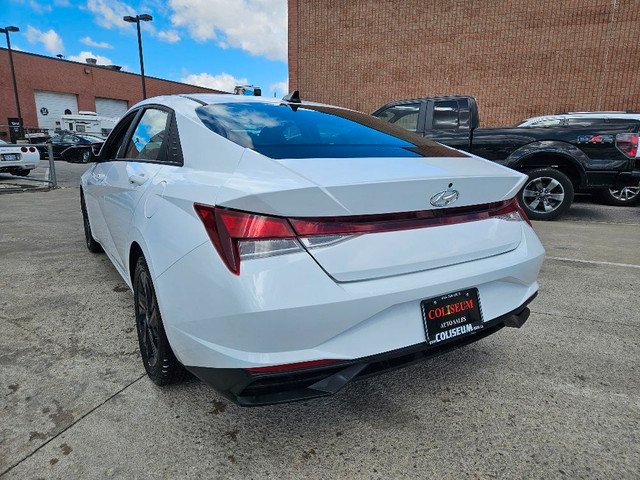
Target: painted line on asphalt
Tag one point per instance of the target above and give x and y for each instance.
(601, 222)
(594, 262)
(583, 319)
(82, 417)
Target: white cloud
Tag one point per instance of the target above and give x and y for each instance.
(170, 36)
(82, 57)
(50, 40)
(92, 43)
(256, 26)
(39, 8)
(280, 87)
(223, 81)
(109, 14)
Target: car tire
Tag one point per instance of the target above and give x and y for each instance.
(547, 194)
(161, 365)
(623, 197)
(92, 245)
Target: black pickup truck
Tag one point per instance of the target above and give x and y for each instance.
(559, 160)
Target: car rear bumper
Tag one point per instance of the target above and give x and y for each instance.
(250, 389)
(284, 310)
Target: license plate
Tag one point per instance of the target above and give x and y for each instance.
(451, 316)
(10, 157)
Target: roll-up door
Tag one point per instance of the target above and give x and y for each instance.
(50, 106)
(111, 107)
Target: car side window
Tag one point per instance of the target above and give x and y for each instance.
(405, 116)
(547, 122)
(445, 115)
(584, 122)
(148, 136)
(114, 143)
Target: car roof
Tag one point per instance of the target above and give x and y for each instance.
(185, 103)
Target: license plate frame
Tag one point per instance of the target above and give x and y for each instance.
(10, 157)
(451, 316)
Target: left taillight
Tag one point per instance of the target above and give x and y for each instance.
(240, 235)
(627, 143)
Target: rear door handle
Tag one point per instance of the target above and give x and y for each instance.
(137, 179)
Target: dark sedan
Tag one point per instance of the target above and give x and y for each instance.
(63, 140)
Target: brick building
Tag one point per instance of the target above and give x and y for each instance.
(47, 87)
(519, 59)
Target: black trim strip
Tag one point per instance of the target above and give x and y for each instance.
(204, 104)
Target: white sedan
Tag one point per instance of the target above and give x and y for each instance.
(18, 159)
(278, 249)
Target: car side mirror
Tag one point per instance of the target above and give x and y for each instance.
(95, 150)
(83, 154)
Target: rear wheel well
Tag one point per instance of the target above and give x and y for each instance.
(135, 252)
(551, 160)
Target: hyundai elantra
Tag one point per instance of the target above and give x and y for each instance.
(279, 249)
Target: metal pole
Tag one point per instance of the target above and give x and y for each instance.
(15, 85)
(52, 166)
(144, 88)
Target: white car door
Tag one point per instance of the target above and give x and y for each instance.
(95, 188)
(93, 192)
(130, 177)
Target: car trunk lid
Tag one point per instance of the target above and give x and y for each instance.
(394, 191)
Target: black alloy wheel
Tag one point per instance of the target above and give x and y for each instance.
(160, 363)
(547, 194)
(92, 245)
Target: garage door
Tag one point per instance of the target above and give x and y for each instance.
(50, 106)
(110, 107)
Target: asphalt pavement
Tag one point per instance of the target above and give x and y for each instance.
(558, 398)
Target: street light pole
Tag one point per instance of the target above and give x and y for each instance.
(6, 31)
(136, 20)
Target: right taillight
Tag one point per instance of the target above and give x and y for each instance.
(512, 212)
(627, 143)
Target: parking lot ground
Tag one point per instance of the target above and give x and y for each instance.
(558, 398)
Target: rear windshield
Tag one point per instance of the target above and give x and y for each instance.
(310, 131)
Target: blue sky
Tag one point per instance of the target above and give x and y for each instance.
(214, 43)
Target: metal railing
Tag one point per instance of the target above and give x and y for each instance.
(52, 180)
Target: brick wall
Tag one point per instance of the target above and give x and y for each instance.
(37, 72)
(519, 59)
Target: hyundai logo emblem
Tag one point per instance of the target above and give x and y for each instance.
(444, 198)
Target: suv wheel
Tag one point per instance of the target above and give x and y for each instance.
(547, 194)
(159, 361)
(625, 197)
